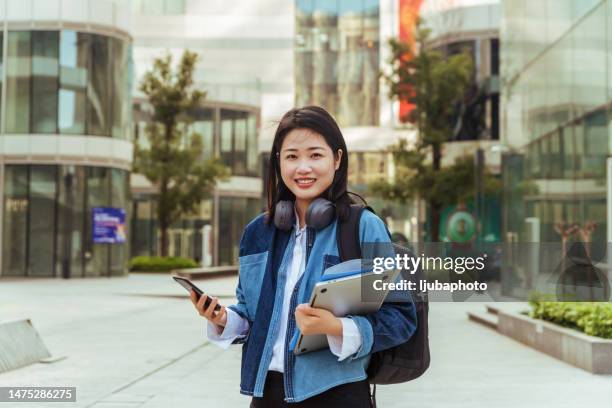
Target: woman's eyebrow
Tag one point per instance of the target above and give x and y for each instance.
(310, 148)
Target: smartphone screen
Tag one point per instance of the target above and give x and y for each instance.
(187, 284)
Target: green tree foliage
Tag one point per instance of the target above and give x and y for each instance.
(173, 162)
(435, 85)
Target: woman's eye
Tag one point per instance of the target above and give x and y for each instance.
(290, 156)
(316, 155)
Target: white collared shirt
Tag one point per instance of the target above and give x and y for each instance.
(236, 326)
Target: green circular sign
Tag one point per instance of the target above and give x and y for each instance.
(461, 227)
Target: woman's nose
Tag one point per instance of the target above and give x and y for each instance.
(304, 168)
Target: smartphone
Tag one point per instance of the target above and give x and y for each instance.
(187, 284)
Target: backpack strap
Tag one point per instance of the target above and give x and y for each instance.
(347, 233)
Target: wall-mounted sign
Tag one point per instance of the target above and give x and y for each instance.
(461, 227)
(108, 225)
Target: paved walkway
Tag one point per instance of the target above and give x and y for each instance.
(137, 342)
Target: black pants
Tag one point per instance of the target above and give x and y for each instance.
(353, 395)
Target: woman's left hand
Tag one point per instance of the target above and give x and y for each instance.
(312, 320)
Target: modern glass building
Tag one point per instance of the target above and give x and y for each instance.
(556, 94)
(472, 27)
(339, 49)
(64, 135)
(337, 58)
(229, 132)
(245, 56)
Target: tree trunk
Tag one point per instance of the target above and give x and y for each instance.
(163, 241)
(436, 210)
(163, 192)
(163, 219)
(436, 151)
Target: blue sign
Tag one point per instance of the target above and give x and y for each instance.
(108, 225)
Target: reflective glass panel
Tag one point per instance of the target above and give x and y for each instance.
(41, 225)
(18, 73)
(74, 51)
(98, 89)
(14, 221)
(45, 72)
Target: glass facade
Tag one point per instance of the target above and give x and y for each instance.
(186, 235)
(67, 82)
(48, 222)
(480, 111)
(234, 214)
(367, 167)
(231, 135)
(337, 58)
(230, 132)
(556, 99)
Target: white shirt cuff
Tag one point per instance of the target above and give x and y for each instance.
(347, 344)
(235, 326)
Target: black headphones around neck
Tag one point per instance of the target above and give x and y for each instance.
(319, 215)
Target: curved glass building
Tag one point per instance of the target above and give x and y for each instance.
(65, 119)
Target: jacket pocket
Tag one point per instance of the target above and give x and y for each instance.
(252, 270)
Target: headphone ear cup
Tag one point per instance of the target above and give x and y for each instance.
(283, 215)
(320, 213)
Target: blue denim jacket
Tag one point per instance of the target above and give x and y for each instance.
(265, 253)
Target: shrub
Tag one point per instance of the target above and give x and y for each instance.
(160, 264)
(594, 318)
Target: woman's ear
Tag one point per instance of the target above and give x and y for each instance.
(338, 159)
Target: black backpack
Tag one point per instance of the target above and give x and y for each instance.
(408, 360)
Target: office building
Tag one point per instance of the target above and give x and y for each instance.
(556, 97)
(65, 144)
(246, 67)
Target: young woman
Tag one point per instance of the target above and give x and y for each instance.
(283, 252)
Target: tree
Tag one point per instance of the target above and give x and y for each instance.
(173, 162)
(436, 85)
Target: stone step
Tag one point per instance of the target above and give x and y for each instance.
(493, 309)
(207, 272)
(486, 319)
(20, 345)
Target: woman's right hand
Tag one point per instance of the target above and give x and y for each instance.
(219, 318)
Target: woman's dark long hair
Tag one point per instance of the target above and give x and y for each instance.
(318, 120)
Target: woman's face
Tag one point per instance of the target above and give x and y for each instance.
(307, 164)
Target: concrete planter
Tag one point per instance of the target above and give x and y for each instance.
(590, 353)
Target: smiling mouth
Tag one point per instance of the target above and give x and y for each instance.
(305, 181)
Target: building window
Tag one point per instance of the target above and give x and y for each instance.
(67, 82)
(47, 223)
(203, 126)
(494, 56)
(45, 72)
(239, 142)
(234, 214)
(15, 218)
(41, 220)
(252, 148)
(337, 59)
(74, 51)
(18, 74)
(234, 135)
(98, 89)
(226, 136)
(120, 97)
